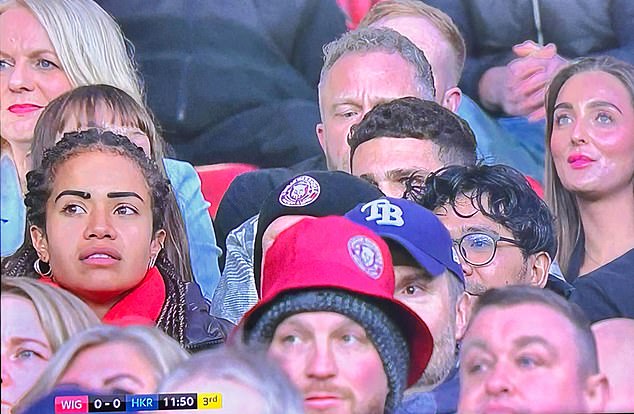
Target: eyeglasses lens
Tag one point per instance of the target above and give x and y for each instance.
(477, 248)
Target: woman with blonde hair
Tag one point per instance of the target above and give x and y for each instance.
(48, 48)
(78, 43)
(111, 360)
(52, 47)
(37, 318)
(590, 181)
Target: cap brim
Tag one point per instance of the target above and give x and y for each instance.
(419, 338)
(433, 266)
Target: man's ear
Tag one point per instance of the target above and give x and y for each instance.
(319, 130)
(597, 392)
(451, 99)
(539, 267)
(40, 243)
(463, 313)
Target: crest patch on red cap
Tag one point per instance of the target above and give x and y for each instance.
(300, 192)
(366, 255)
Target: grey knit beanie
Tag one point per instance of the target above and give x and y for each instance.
(381, 330)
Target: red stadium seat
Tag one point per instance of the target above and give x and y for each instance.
(216, 178)
(537, 187)
(355, 10)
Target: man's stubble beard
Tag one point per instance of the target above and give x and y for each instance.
(443, 358)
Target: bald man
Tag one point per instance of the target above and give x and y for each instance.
(615, 342)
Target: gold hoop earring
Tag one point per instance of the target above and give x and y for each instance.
(38, 269)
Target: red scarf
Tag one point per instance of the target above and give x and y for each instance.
(140, 306)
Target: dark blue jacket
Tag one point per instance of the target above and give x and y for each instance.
(232, 81)
(578, 28)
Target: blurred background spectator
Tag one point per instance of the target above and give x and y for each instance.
(247, 379)
(138, 357)
(36, 321)
(615, 341)
(233, 81)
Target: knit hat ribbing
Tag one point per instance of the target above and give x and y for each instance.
(333, 254)
(384, 334)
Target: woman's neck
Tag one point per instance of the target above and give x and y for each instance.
(20, 155)
(608, 226)
(100, 309)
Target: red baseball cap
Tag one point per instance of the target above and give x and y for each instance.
(333, 252)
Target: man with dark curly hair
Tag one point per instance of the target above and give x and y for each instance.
(502, 229)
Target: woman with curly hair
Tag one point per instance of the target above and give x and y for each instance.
(95, 213)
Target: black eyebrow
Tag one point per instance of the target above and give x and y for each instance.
(118, 194)
(564, 105)
(83, 194)
(479, 229)
(598, 104)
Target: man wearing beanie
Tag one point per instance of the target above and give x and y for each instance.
(430, 281)
(314, 194)
(328, 316)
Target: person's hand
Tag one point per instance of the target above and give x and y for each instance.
(529, 47)
(519, 88)
(510, 89)
(530, 74)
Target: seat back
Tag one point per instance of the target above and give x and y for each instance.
(216, 178)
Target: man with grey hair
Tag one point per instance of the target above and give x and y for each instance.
(362, 68)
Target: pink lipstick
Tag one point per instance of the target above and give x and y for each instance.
(20, 109)
(579, 161)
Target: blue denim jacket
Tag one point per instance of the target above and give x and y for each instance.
(12, 209)
(499, 144)
(203, 249)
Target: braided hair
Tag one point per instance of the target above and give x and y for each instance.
(39, 186)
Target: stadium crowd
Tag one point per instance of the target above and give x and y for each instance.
(438, 215)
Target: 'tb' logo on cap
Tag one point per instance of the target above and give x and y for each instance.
(383, 213)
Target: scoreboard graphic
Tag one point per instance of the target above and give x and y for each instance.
(125, 403)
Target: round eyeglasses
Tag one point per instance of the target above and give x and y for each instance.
(478, 249)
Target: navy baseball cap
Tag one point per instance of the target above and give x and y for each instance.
(415, 228)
